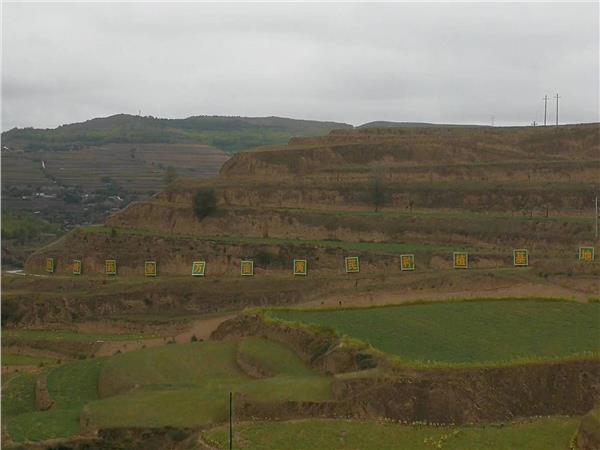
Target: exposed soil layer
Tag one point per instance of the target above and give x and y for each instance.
(80, 303)
(445, 395)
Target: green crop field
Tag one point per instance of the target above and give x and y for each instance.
(191, 383)
(467, 332)
(17, 394)
(540, 434)
(70, 386)
(173, 385)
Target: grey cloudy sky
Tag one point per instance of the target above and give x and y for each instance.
(355, 63)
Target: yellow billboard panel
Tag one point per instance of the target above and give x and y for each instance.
(50, 265)
(110, 266)
(76, 267)
(300, 267)
(247, 268)
(352, 264)
(461, 260)
(586, 254)
(198, 268)
(520, 257)
(407, 262)
(150, 268)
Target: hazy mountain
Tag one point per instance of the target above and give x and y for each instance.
(227, 133)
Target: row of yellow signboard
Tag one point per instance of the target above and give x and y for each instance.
(300, 267)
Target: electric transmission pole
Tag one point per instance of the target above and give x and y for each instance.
(230, 420)
(557, 97)
(545, 107)
(596, 233)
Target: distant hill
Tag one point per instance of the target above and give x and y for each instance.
(230, 134)
(386, 124)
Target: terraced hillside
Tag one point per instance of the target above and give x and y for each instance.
(369, 193)
(77, 174)
(81, 186)
(426, 191)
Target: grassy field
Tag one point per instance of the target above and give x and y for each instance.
(70, 385)
(469, 332)
(191, 383)
(18, 394)
(539, 434)
(273, 357)
(178, 385)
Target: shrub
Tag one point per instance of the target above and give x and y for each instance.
(177, 435)
(170, 175)
(378, 196)
(263, 258)
(204, 202)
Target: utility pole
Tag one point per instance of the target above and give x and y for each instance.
(596, 217)
(557, 97)
(545, 107)
(230, 420)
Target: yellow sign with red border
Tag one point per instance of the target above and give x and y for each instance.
(110, 266)
(247, 268)
(520, 257)
(586, 254)
(150, 269)
(461, 260)
(198, 268)
(300, 267)
(352, 264)
(407, 262)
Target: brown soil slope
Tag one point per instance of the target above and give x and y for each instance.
(374, 193)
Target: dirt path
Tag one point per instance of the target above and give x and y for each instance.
(387, 297)
(203, 445)
(201, 328)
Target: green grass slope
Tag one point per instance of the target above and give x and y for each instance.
(469, 332)
(189, 384)
(539, 434)
(175, 385)
(70, 386)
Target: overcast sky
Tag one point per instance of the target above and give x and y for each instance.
(355, 63)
